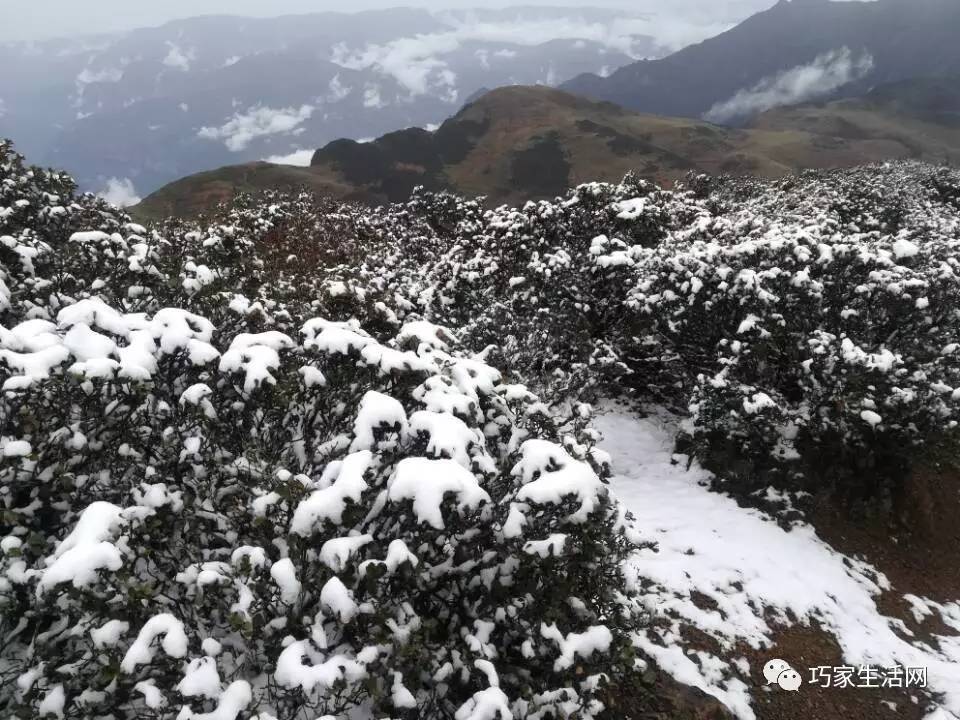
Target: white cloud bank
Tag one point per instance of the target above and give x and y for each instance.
(828, 72)
(299, 158)
(417, 62)
(120, 192)
(259, 121)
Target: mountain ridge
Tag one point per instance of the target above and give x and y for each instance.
(154, 104)
(520, 143)
(902, 39)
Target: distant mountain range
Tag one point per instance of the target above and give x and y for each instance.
(140, 109)
(520, 143)
(155, 104)
(796, 51)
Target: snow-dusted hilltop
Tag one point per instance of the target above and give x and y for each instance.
(313, 460)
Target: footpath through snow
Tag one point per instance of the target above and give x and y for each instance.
(760, 576)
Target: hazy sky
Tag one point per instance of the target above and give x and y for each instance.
(24, 20)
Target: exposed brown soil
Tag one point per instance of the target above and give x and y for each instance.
(918, 550)
(806, 647)
(656, 696)
(923, 551)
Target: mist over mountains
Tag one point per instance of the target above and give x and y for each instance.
(516, 144)
(151, 105)
(128, 113)
(793, 52)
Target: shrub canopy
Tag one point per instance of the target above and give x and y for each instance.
(223, 495)
(303, 459)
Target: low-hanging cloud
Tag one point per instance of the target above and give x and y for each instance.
(119, 192)
(177, 58)
(828, 72)
(417, 62)
(259, 121)
(105, 75)
(298, 158)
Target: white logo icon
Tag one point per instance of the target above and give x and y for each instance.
(780, 673)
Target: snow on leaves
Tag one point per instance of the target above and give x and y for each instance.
(427, 482)
(307, 458)
(225, 492)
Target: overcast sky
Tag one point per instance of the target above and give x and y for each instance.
(26, 20)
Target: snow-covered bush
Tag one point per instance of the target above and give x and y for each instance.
(309, 459)
(524, 282)
(226, 494)
(817, 323)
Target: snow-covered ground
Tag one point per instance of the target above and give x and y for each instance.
(760, 576)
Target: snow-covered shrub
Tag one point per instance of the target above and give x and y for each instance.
(945, 185)
(223, 495)
(522, 282)
(818, 326)
(265, 466)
